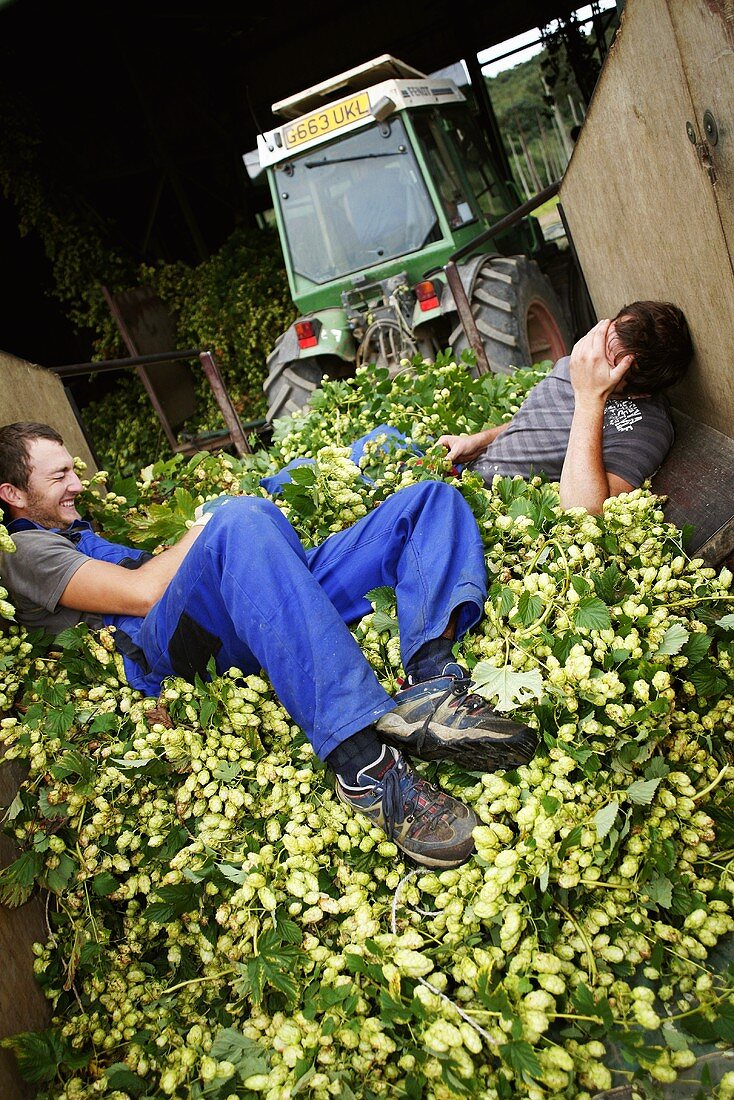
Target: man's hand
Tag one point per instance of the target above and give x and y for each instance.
(585, 482)
(204, 512)
(465, 448)
(594, 375)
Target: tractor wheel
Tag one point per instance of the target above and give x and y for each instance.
(518, 315)
(289, 384)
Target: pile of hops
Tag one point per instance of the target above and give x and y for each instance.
(222, 926)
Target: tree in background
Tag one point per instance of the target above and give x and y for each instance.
(539, 102)
(232, 302)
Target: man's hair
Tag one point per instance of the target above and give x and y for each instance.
(15, 463)
(657, 335)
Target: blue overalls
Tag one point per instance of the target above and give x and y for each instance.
(250, 595)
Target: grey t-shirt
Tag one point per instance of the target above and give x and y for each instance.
(637, 434)
(37, 574)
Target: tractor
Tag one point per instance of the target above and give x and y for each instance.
(377, 177)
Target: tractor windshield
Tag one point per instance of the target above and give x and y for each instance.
(355, 203)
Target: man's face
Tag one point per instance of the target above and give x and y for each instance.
(52, 487)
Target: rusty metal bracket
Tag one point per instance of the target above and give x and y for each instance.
(210, 367)
(453, 276)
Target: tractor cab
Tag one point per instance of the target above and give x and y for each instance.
(377, 176)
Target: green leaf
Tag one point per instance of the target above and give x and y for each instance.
(59, 721)
(104, 723)
(71, 638)
(275, 964)
(393, 1011)
(246, 1055)
(580, 585)
(642, 791)
(385, 624)
(122, 1079)
(660, 891)
(73, 762)
(174, 902)
(723, 815)
(15, 807)
(328, 996)
(18, 879)
(512, 688)
(673, 1038)
(657, 768)
(529, 608)
(303, 475)
(592, 614)
(161, 522)
(674, 638)
(232, 874)
(207, 710)
(506, 601)
(173, 843)
(605, 818)
(706, 680)
(724, 1022)
(286, 929)
(523, 1060)
(344, 1093)
(382, 599)
(451, 1076)
(726, 622)
(104, 884)
(583, 1000)
(227, 771)
(664, 856)
(570, 841)
(521, 506)
(41, 1054)
(550, 804)
(58, 878)
(696, 648)
(609, 584)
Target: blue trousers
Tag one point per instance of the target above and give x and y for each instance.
(250, 595)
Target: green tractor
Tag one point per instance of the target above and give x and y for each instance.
(373, 191)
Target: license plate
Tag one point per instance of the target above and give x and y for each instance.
(327, 121)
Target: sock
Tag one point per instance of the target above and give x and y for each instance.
(357, 752)
(430, 660)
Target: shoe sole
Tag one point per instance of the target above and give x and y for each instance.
(470, 749)
(423, 860)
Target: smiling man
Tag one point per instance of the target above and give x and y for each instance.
(599, 422)
(239, 588)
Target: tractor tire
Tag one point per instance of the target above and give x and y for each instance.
(290, 383)
(518, 314)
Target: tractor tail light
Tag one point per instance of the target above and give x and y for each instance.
(427, 295)
(307, 333)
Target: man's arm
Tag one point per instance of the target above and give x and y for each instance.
(114, 590)
(465, 448)
(585, 482)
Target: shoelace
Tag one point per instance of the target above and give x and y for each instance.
(393, 802)
(471, 701)
(393, 810)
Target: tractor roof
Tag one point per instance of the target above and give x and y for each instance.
(384, 67)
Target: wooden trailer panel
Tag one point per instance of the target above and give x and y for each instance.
(650, 210)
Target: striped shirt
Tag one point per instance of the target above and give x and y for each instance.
(637, 434)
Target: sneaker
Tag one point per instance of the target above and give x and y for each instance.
(442, 719)
(430, 826)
